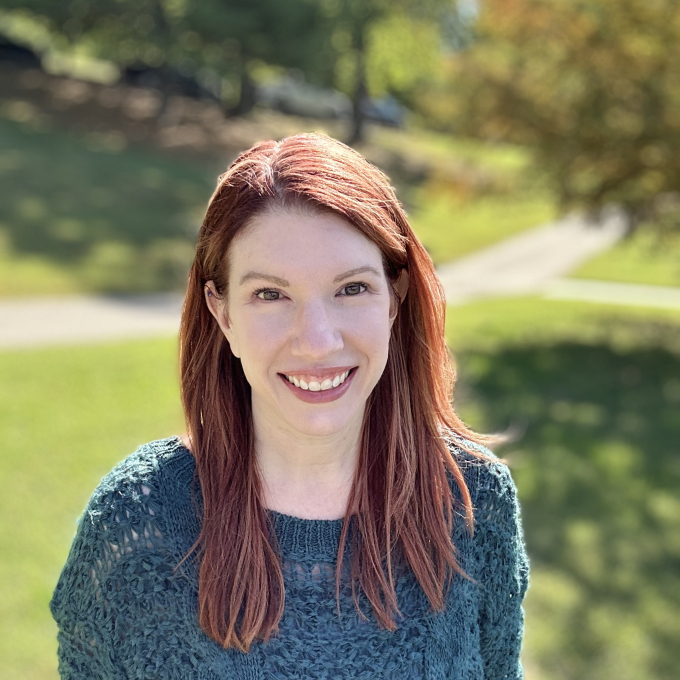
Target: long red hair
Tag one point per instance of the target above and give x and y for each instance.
(401, 502)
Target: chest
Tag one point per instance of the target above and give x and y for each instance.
(317, 641)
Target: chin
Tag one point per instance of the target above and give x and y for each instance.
(322, 427)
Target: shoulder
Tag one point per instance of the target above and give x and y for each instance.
(142, 506)
(149, 463)
(135, 530)
(150, 467)
(486, 475)
(498, 541)
(151, 484)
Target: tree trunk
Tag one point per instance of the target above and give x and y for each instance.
(246, 100)
(360, 90)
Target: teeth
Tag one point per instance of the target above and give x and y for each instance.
(315, 385)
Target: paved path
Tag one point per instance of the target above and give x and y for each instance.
(72, 320)
(636, 294)
(525, 264)
(534, 262)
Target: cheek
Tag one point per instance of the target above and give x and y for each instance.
(259, 337)
(372, 330)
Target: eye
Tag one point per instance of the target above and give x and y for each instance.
(267, 294)
(356, 288)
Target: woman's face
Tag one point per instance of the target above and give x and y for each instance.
(308, 302)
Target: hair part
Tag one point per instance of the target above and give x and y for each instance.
(401, 504)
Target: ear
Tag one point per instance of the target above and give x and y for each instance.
(401, 284)
(218, 309)
(401, 287)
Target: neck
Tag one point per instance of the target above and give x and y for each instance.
(306, 476)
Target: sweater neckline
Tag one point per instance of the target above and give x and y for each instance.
(316, 539)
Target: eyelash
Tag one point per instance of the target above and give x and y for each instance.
(257, 292)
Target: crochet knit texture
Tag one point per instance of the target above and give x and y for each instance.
(125, 611)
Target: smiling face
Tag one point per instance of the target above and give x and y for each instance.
(308, 313)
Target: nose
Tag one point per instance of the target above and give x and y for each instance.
(316, 334)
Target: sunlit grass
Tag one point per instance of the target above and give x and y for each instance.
(420, 143)
(450, 229)
(589, 395)
(644, 258)
(492, 324)
(475, 194)
(32, 274)
(78, 216)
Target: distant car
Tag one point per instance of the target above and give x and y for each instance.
(167, 80)
(296, 97)
(19, 55)
(387, 111)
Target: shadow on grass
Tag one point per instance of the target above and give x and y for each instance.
(117, 220)
(598, 473)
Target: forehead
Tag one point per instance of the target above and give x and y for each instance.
(291, 237)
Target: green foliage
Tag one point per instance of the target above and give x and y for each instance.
(66, 416)
(594, 412)
(401, 51)
(362, 47)
(293, 34)
(209, 39)
(386, 47)
(593, 86)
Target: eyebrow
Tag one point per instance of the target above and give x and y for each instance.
(266, 277)
(283, 283)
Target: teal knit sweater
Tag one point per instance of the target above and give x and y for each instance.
(124, 611)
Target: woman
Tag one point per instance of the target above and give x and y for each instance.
(327, 515)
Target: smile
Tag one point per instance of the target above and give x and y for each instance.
(317, 384)
(315, 389)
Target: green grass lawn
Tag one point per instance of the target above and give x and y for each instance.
(441, 148)
(476, 194)
(77, 217)
(590, 392)
(589, 396)
(644, 258)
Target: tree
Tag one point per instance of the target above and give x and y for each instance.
(593, 86)
(364, 47)
(216, 36)
(385, 46)
(286, 33)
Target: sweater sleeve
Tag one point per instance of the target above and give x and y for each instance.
(118, 557)
(504, 572)
(83, 612)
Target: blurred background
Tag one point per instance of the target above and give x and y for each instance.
(536, 147)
